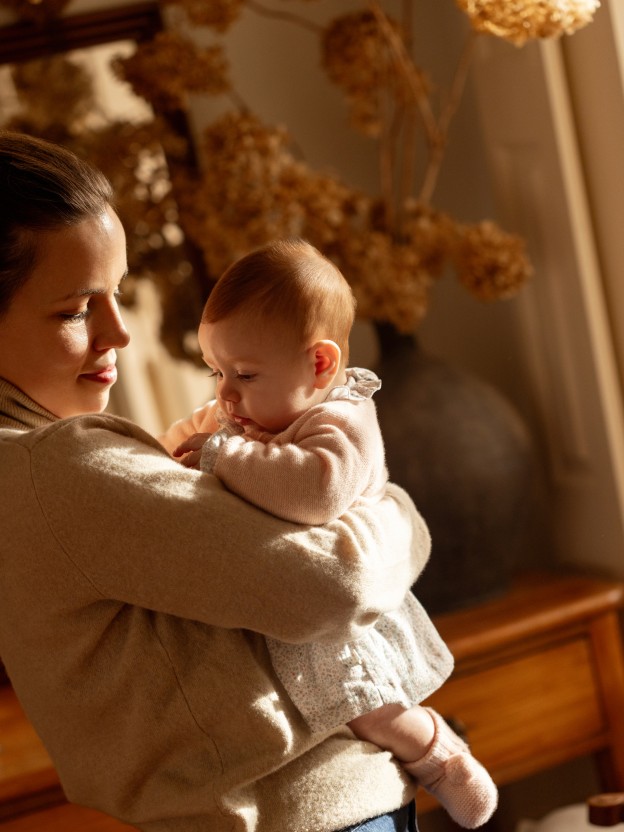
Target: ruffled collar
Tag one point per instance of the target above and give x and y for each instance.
(361, 384)
(17, 410)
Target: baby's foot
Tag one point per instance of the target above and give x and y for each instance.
(450, 773)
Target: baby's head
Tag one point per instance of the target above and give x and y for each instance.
(291, 287)
(284, 304)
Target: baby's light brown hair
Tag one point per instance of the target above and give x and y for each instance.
(287, 284)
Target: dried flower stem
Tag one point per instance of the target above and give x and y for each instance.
(459, 81)
(385, 174)
(238, 101)
(387, 163)
(408, 159)
(407, 17)
(408, 70)
(438, 148)
(288, 16)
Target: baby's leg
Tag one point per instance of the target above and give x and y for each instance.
(406, 732)
(435, 756)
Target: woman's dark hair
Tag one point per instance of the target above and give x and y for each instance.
(43, 187)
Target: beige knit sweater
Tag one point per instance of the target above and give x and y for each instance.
(130, 590)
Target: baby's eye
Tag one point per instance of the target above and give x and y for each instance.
(213, 373)
(246, 376)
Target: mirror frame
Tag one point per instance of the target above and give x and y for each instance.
(25, 41)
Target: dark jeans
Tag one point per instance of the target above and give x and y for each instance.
(403, 820)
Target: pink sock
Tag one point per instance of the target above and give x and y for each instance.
(450, 773)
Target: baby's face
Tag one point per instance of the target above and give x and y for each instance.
(264, 379)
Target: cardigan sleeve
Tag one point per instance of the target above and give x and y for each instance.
(313, 472)
(143, 530)
(201, 420)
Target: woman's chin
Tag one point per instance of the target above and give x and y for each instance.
(86, 406)
(102, 403)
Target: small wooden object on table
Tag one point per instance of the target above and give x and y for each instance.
(606, 809)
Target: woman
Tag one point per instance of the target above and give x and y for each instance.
(133, 590)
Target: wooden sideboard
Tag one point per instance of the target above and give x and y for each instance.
(31, 798)
(539, 678)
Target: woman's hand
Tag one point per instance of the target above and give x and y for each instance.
(189, 452)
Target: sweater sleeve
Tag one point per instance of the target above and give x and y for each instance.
(201, 420)
(314, 471)
(146, 531)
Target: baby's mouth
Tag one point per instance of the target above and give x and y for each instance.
(240, 420)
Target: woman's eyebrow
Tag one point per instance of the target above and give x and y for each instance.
(80, 293)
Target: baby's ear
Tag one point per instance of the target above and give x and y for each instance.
(327, 355)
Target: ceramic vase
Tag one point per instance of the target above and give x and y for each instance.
(466, 458)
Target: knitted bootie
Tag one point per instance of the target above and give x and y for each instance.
(450, 773)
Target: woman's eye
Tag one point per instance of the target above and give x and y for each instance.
(75, 316)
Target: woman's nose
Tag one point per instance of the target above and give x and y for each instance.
(112, 333)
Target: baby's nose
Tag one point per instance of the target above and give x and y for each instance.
(228, 391)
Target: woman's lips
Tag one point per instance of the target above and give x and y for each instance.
(107, 375)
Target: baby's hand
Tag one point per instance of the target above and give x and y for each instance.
(191, 449)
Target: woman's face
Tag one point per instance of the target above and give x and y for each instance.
(59, 336)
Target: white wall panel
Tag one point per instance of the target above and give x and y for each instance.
(568, 344)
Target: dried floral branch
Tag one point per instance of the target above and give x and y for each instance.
(289, 17)
(432, 172)
(387, 142)
(408, 161)
(414, 78)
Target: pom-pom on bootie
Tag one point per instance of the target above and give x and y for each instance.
(451, 774)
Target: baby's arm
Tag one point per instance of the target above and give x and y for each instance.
(203, 420)
(313, 471)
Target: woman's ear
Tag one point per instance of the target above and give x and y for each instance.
(327, 356)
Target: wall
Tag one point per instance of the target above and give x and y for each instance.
(568, 342)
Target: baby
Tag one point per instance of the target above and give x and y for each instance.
(295, 432)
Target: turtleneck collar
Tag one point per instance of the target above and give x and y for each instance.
(17, 410)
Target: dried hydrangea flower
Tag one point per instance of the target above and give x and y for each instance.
(490, 263)
(168, 68)
(388, 278)
(217, 14)
(431, 233)
(520, 20)
(48, 86)
(356, 57)
(245, 196)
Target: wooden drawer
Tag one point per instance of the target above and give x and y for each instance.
(27, 777)
(528, 713)
(65, 818)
